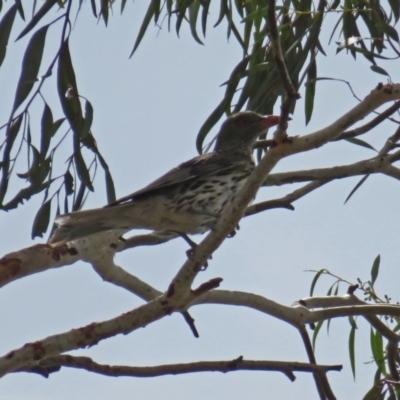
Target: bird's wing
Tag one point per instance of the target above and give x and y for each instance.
(202, 165)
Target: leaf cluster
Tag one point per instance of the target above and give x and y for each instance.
(383, 353)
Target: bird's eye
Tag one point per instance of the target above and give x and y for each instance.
(243, 121)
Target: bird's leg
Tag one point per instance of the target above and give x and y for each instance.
(192, 245)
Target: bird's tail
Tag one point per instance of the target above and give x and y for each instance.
(79, 224)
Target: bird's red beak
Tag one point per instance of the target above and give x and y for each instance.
(270, 120)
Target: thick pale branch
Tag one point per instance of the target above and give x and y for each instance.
(110, 272)
(35, 259)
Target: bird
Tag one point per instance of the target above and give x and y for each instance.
(188, 199)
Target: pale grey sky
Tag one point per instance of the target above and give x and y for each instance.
(147, 113)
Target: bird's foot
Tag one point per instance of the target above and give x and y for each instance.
(190, 253)
(233, 233)
(193, 245)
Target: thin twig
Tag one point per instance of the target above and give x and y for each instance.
(370, 125)
(291, 93)
(285, 201)
(311, 358)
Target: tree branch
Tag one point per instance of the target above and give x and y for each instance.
(370, 125)
(321, 381)
(239, 364)
(285, 201)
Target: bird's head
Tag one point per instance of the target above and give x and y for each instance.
(240, 131)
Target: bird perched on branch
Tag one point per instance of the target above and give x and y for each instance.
(186, 200)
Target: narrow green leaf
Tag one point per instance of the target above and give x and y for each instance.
(315, 334)
(204, 15)
(14, 129)
(377, 376)
(47, 129)
(68, 183)
(390, 31)
(56, 125)
(335, 293)
(379, 70)
(123, 4)
(257, 15)
(373, 394)
(88, 118)
(239, 7)
(362, 180)
(82, 170)
(104, 10)
(397, 390)
(46, 7)
(181, 15)
(352, 350)
(352, 322)
(20, 9)
(11, 134)
(392, 394)
(395, 6)
(360, 142)
(154, 9)
(334, 4)
(247, 32)
(26, 194)
(68, 91)
(320, 48)
(375, 268)
(109, 181)
(193, 14)
(314, 281)
(42, 219)
(39, 168)
(30, 66)
(94, 9)
(232, 28)
(329, 292)
(223, 10)
(377, 351)
(110, 188)
(310, 90)
(79, 197)
(28, 133)
(5, 29)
